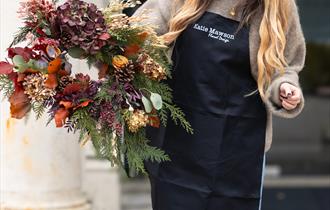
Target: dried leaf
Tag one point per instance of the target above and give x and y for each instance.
(143, 36)
(60, 117)
(83, 104)
(132, 50)
(63, 73)
(154, 121)
(26, 53)
(6, 68)
(19, 104)
(29, 70)
(66, 104)
(71, 88)
(51, 81)
(105, 36)
(20, 77)
(103, 70)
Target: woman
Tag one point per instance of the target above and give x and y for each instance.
(235, 64)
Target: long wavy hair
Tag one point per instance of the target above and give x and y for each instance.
(273, 28)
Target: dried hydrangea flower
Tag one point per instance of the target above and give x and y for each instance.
(137, 120)
(151, 68)
(81, 25)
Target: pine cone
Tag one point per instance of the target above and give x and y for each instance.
(125, 74)
(151, 68)
(64, 81)
(34, 87)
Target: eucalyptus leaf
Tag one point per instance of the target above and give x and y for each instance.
(76, 52)
(156, 100)
(40, 64)
(48, 32)
(20, 63)
(18, 60)
(67, 67)
(51, 51)
(147, 104)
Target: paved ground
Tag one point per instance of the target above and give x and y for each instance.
(290, 193)
(136, 195)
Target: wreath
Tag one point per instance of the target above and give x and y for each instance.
(112, 111)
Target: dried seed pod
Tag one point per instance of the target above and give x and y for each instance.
(35, 89)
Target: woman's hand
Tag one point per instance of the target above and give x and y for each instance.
(290, 95)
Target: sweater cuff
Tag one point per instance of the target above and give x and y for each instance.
(272, 96)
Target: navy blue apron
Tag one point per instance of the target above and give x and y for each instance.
(220, 166)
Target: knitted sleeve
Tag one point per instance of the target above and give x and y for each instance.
(295, 53)
(159, 13)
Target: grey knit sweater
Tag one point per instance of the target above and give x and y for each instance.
(160, 13)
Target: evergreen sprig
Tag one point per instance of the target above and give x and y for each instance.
(38, 108)
(6, 86)
(137, 150)
(126, 36)
(20, 36)
(163, 115)
(102, 138)
(141, 81)
(179, 116)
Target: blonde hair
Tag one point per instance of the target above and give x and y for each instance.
(273, 28)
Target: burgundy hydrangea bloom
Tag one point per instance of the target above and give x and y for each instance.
(82, 25)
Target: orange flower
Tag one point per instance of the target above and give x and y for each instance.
(54, 66)
(119, 61)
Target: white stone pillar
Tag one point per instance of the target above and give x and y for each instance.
(40, 166)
